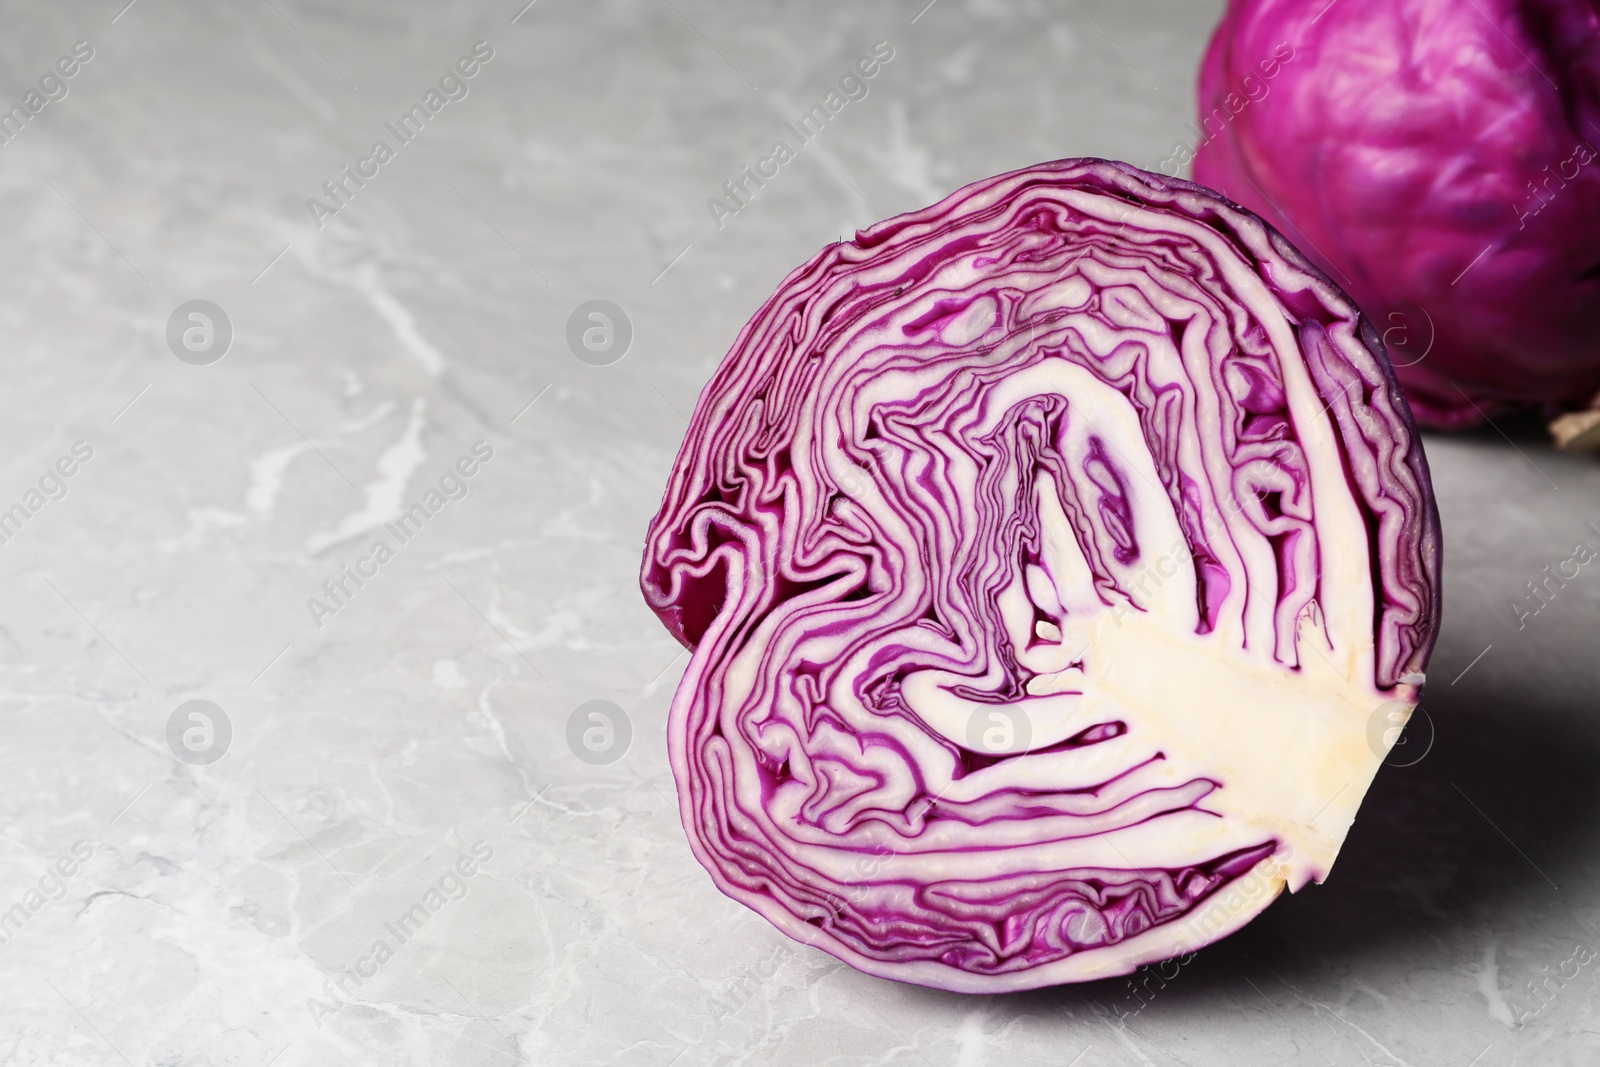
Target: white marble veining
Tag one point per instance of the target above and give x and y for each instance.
(399, 771)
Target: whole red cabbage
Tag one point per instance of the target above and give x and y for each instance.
(1058, 562)
(1438, 159)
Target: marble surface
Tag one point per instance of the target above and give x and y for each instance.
(407, 743)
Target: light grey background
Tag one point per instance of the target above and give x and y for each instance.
(430, 712)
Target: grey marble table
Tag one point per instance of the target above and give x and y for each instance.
(393, 724)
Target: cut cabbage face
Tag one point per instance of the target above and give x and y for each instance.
(1047, 556)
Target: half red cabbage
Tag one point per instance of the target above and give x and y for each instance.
(1047, 557)
(1442, 162)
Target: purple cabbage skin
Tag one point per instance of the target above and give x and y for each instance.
(1441, 160)
(1074, 404)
